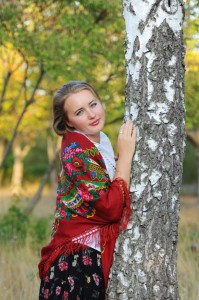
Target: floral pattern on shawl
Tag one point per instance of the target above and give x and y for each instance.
(81, 181)
(87, 179)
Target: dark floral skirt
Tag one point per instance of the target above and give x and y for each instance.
(75, 277)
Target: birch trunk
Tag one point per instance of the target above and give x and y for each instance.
(19, 154)
(145, 258)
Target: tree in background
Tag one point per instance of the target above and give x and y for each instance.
(45, 43)
(191, 29)
(145, 261)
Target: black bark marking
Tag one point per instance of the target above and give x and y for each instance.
(170, 6)
(150, 15)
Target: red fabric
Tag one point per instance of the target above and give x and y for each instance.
(109, 202)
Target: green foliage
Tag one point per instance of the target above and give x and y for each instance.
(14, 226)
(39, 231)
(191, 27)
(36, 162)
(192, 99)
(80, 40)
(72, 40)
(7, 171)
(189, 164)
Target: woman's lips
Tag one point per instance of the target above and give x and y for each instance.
(95, 123)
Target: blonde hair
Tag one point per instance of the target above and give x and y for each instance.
(59, 114)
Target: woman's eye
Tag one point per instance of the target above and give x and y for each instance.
(79, 113)
(93, 104)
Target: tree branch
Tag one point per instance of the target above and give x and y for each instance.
(6, 81)
(27, 103)
(5, 84)
(35, 199)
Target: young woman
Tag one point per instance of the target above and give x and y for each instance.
(92, 204)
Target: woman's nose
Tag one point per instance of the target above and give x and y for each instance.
(90, 114)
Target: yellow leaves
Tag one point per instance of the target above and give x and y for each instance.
(11, 59)
(191, 24)
(192, 61)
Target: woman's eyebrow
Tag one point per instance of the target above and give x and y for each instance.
(82, 107)
(78, 110)
(92, 101)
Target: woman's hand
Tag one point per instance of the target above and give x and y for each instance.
(126, 149)
(127, 140)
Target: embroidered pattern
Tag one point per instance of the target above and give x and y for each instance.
(81, 181)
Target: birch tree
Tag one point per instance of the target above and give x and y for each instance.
(145, 258)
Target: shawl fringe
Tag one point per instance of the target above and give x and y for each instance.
(127, 211)
(107, 233)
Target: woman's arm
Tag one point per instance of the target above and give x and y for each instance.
(126, 149)
(84, 186)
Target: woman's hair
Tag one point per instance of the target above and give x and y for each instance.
(65, 91)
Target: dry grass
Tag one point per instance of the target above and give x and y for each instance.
(18, 265)
(18, 273)
(188, 272)
(188, 261)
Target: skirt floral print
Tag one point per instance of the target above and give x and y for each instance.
(75, 277)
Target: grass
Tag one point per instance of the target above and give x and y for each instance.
(188, 261)
(188, 264)
(18, 273)
(18, 262)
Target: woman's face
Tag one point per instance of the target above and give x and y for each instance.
(85, 113)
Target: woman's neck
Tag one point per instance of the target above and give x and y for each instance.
(92, 137)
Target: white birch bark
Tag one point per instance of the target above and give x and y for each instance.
(145, 260)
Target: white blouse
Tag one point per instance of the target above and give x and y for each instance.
(106, 150)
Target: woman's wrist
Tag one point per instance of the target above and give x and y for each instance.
(125, 159)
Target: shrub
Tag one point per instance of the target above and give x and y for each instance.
(13, 226)
(39, 232)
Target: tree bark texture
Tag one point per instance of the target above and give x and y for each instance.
(144, 264)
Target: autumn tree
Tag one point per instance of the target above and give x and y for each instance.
(191, 27)
(145, 260)
(45, 43)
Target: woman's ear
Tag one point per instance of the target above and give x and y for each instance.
(69, 125)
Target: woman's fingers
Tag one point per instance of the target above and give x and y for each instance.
(122, 128)
(127, 140)
(133, 130)
(127, 128)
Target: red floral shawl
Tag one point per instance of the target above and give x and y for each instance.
(86, 199)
